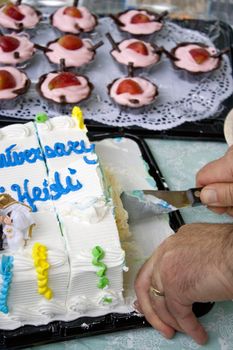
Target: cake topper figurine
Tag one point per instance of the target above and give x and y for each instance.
(17, 223)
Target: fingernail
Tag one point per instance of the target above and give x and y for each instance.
(209, 196)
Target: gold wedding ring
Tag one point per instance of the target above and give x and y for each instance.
(156, 293)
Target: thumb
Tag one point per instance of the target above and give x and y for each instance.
(218, 195)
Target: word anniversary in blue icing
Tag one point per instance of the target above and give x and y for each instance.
(49, 190)
(11, 157)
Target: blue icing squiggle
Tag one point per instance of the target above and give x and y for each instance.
(6, 267)
(151, 182)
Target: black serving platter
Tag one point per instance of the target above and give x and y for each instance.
(61, 331)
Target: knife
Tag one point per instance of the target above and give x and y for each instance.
(142, 204)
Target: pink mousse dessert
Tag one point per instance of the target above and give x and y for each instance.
(13, 83)
(15, 48)
(18, 17)
(74, 19)
(64, 87)
(140, 53)
(139, 22)
(195, 58)
(132, 91)
(74, 50)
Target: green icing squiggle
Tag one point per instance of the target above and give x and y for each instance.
(98, 254)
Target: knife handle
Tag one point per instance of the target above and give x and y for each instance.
(194, 196)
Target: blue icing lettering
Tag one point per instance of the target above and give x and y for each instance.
(72, 171)
(13, 158)
(90, 161)
(2, 189)
(49, 152)
(60, 149)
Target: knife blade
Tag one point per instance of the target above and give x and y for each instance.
(146, 203)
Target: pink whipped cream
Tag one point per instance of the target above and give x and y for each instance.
(187, 62)
(70, 24)
(127, 55)
(73, 94)
(145, 98)
(29, 21)
(73, 58)
(20, 79)
(25, 49)
(139, 28)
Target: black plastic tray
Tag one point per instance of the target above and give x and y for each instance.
(62, 331)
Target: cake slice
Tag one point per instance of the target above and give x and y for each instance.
(86, 214)
(39, 269)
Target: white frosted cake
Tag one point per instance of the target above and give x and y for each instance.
(71, 262)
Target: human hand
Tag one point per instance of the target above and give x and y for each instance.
(217, 180)
(193, 265)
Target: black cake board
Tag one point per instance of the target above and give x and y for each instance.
(61, 331)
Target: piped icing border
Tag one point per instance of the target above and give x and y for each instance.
(6, 268)
(39, 254)
(98, 255)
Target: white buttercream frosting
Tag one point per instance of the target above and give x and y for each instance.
(70, 24)
(127, 55)
(29, 21)
(73, 58)
(139, 28)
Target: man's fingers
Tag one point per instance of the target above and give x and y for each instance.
(142, 287)
(160, 307)
(220, 170)
(218, 195)
(188, 321)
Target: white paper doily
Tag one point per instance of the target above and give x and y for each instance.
(179, 100)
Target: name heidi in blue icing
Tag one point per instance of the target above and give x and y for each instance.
(10, 157)
(48, 191)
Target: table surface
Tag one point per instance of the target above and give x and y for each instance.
(179, 161)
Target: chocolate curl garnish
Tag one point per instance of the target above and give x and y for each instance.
(161, 16)
(75, 3)
(20, 26)
(16, 55)
(78, 27)
(63, 99)
(220, 53)
(96, 46)
(157, 49)
(130, 70)
(42, 48)
(62, 65)
(169, 54)
(118, 22)
(113, 43)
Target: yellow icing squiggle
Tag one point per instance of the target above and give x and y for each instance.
(39, 254)
(77, 114)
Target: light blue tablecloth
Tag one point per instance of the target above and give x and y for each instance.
(179, 161)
